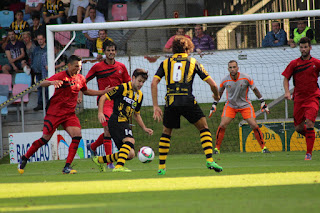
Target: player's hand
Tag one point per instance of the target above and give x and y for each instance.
(108, 89)
(287, 96)
(264, 107)
(101, 117)
(79, 100)
(149, 131)
(57, 83)
(213, 108)
(216, 97)
(157, 114)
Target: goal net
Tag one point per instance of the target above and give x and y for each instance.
(140, 45)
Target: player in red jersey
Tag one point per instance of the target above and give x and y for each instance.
(305, 72)
(108, 72)
(61, 110)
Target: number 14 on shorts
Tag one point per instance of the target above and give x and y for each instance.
(128, 132)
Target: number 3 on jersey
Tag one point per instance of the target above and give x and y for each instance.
(176, 76)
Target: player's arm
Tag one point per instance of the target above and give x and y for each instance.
(92, 92)
(140, 122)
(287, 94)
(101, 116)
(214, 88)
(264, 106)
(157, 112)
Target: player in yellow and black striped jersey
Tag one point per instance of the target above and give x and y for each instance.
(19, 25)
(127, 99)
(179, 72)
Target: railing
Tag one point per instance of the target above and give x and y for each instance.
(13, 99)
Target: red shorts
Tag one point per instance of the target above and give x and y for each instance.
(51, 122)
(305, 110)
(107, 111)
(245, 112)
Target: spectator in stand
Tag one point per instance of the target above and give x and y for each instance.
(168, 47)
(36, 65)
(92, 35)
(77, 10)
(19, 26)
(98, 51)
(275, 38)
(37, 28)
(201, 41)
(94, 4)
(3, 38)
(301, 31)
(30, 46)
(15, 52)
(62, 61)
(53, 12)
(33, 6)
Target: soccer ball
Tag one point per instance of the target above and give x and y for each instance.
(146, 154)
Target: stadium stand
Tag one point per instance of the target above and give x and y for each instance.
(6, 79)
(119, 12)
(23, 78)
(84, 53)
(4, 94)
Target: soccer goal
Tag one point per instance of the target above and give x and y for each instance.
(236, 37)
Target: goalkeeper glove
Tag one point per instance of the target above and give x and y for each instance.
(213, 108)
(264, 106)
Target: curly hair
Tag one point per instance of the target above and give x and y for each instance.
(182, 44)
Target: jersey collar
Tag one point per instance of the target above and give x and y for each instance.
(180, 55)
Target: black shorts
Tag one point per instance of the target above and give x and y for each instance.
(119, 131)
(171, 117)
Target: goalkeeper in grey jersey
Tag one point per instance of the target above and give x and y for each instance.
(237, 86)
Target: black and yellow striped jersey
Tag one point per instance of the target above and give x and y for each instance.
(179, 71)
(125, 101)
(19, 28)
(52, 9)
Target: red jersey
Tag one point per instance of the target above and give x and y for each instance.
(305, 78)
(108, 75)
(64, 99)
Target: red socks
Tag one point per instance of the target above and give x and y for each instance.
(219, 137)
(310, 137)
(98, 142)
(73, 149)
(35, 146)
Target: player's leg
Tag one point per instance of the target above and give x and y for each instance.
(107, 143)
(49, 126)
(195, 116)
(125, 152)
(72, 126)
(228, 114)
(171, 119)
(164, 146)
(310, 114)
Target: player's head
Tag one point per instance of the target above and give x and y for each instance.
(182, 44)
(74, 65)
(305, 46)
(110, 49)
(233, 67)
(139, 76)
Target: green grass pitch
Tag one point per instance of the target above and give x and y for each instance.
(250, 182)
